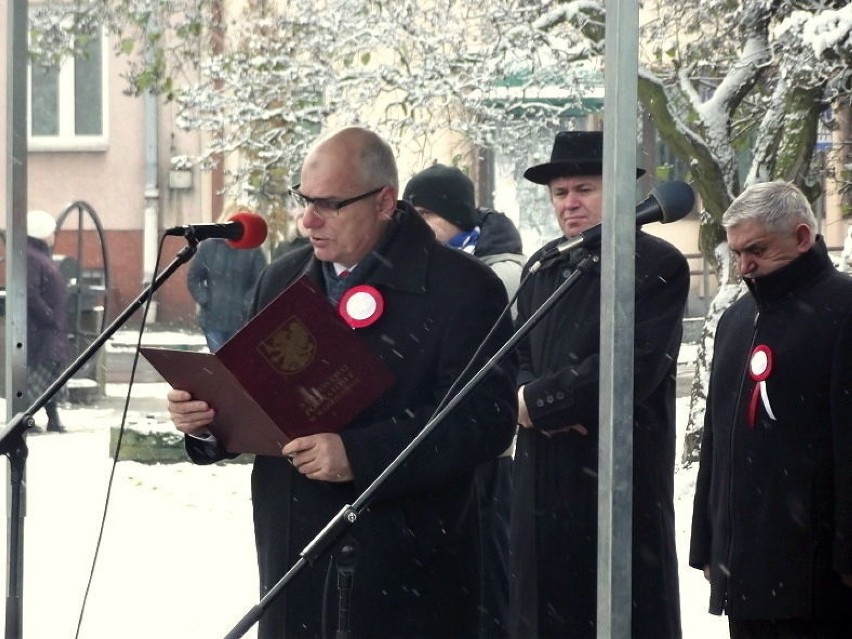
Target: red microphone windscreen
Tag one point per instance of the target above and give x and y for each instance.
(254, 230)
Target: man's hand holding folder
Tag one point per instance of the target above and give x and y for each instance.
(296, 370)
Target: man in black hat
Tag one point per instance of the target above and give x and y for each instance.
(554, 517)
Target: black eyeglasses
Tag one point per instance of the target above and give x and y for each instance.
(326, 207)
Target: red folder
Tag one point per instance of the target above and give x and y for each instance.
(295, 369)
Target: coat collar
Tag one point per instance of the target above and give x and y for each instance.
(403, 254)
(779, 284)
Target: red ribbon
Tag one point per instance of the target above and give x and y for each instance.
(759, 369)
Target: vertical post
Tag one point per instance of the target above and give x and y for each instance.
(151, 221)
(615, 471)
(152, 191)
(16, 297)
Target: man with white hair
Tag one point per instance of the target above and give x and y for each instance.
(772, 519)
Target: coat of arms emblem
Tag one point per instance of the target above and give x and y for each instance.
(290, 348)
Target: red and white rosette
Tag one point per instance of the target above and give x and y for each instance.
(361, 306)
(759, 369)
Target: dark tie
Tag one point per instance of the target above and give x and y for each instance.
(335, 284)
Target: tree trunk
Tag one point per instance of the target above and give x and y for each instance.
(730, 289)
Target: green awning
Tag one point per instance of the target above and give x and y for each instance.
(521, 92)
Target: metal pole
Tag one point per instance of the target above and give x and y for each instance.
(151, 210)
(615, 471)
(16, 297)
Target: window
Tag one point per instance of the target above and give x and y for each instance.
(68, 103)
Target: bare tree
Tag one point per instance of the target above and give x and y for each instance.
(261, 83)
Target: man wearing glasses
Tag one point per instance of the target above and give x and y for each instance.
(416, 569)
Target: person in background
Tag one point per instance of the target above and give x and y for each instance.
(48, 347)
(299, 239)
(444, 197)
(221, 279)
(554, 511)
(416, 572)
(772, 516)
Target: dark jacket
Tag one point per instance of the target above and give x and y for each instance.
(555, 505)
(498, 235)
(773, 503)
(221, 280)
(416, 572)
(500, 247)
(47, 336)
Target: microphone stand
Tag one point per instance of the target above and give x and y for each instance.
(13, 445)
(346, 556)
(348, 515)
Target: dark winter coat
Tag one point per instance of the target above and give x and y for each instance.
(47, 299)
(221, 280)
(498, 234)
(500, 247)
(554, 528)
(416, 573)
(773, 503)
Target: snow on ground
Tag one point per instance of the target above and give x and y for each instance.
(697, 623)
(177, 558)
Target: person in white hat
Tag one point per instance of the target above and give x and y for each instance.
(48, 349)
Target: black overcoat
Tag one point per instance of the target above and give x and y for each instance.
(416, 572)
(554, 528)
(47, 299)
(773, 505)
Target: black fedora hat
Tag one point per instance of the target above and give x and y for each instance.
(574, 153)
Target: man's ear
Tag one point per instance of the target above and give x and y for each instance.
(386, 201)
(804, 238)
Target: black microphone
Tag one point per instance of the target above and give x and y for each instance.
(243, 230)
(668, 202)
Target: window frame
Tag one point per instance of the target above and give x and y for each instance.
(66, 91)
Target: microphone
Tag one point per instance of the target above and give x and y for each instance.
(243, 230)
(668, 202)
